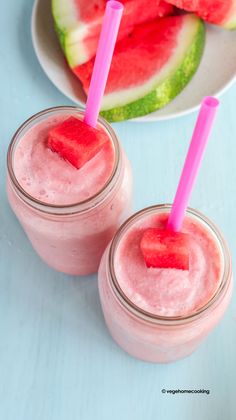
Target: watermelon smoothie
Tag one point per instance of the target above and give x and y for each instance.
(69, 214)
(161, 315)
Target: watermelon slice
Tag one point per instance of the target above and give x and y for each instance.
(165, 249)
(78, 23)
(150, 66)
(219, 12)
(75, 141)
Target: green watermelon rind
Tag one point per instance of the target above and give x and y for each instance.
(169, 88)
(64, 32)
(60, 31)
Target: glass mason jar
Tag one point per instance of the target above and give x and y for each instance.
(151, 337)
(71, 238)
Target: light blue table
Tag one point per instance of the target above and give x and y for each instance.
(57, 360)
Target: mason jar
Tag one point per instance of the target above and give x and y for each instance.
(148, 336)
(71, 237)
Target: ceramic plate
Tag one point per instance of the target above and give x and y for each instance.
(216, 73)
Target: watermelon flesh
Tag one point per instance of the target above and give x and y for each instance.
(78, 23)
(150, 66)
(218, 12)
(142, 53)
(75, 141)
(165, 249)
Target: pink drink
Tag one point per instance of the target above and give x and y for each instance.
(68, 214)
(161, 315)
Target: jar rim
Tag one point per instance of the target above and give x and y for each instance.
(134, 309)
(63, 209)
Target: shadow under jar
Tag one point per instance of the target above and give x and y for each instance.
(69, 235)
(151, 315)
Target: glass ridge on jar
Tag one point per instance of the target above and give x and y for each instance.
(151, 337)
(71, 238)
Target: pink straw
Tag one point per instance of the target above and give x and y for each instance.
(193, 161)
(106, 45)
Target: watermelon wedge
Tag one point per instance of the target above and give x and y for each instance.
(165, 249)
(218, 12)
(78, 23)
(150, 66)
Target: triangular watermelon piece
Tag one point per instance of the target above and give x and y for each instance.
(78, 23)
(150, 66)
(218, 12)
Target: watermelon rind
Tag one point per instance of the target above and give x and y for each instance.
(167, 84)
(70, 31)
(73, 31)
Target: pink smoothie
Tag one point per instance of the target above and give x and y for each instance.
(49, 178)
(168, 292)
(78, 210)
(162, 315)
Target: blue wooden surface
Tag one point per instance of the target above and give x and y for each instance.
(57, 360)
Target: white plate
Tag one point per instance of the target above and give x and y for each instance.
(216, 73)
